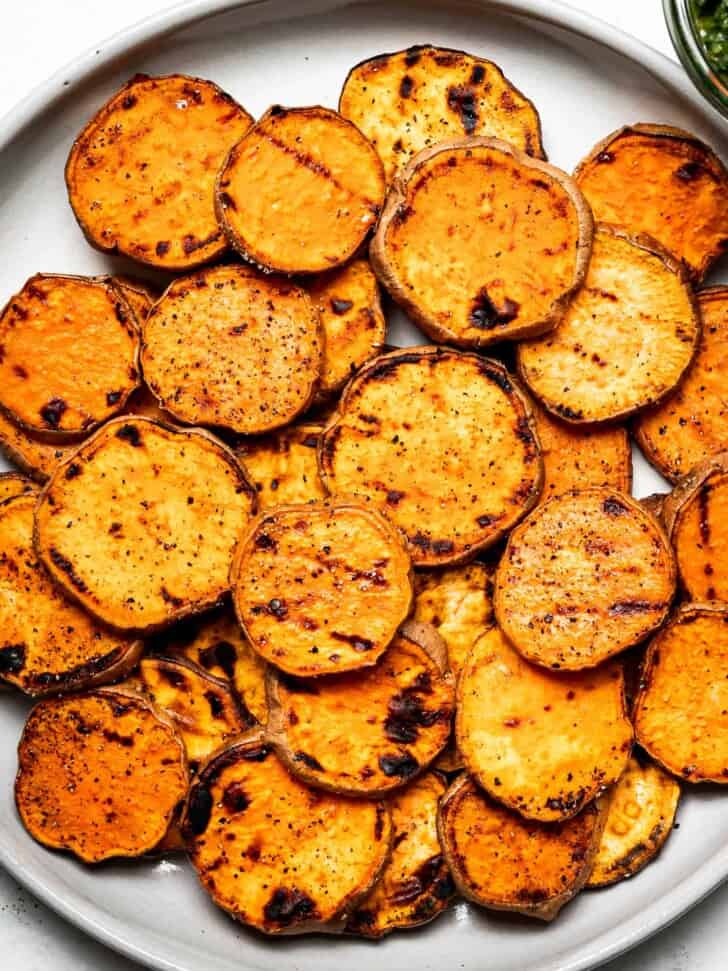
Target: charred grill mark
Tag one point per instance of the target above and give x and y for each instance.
(394, 497)
(689, 172)
(235, 799)
(486, 520)
(309, 761)
(170, 597)
(217, 707)
(340, 307)
(379, 823)
(12, 658)
(498, 377)
(81, 672)
(307, 161)
(412, 56)
(626, 608)
(191, 244)
(227, 201)
(52, 412)
(405, 86)
(222, 654)
(605, 158)
(162, 247)
(67, 567)
(613, 507)
(442, 546)
(265, 542)
(384, 368)
(461, 100)
(360, 644)
(567, 804)
(289, 906)
(486, 316)
(73, 471)
(703, 510)
(569, 413)
(199, 810)
(20, 371)
(404, 766)
(130, 434)
(126, 741)
(407, 714)
(113, 397)
(20, 312)
(421, 880)
(36, 292)
(477, 75)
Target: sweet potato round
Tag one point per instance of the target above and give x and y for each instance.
(480, 243)
(442, 443)
(504, 862)
(283, 466)
(232, 348)
(280, 857)
(587, 575)
(140, 523)
(99, 774)
(663, 181)
(321, 587)
(679, 715)
(366, 732)
(691, 424)
(317, 174)
(408, 100)
(626, 340)
(47, 643)
(543, 744)
(141, 174)
(70, 355)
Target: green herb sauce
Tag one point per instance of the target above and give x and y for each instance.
(711, 17)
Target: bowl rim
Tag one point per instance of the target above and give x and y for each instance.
(682, 29)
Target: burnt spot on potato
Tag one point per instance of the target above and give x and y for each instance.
(52, 412)
(486, 315)
(462, 100)
(309, 761)
(288, 906)
(405, 86)
(341, 307)
(401, 766)
(235, 799)
(130, 434)
(65, 565)
(12, 659)
(199, 809)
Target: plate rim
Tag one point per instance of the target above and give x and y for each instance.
(85, 914)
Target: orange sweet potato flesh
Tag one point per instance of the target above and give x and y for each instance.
(69, 354)
(321, 587)
(283, 466)
(691, 424)
(410, 435)
(679, 714)
(406, 101)
(141, 174)
(480, 243)
(586, 576)
(504, 862)
(543, 744)
(663, 181)
(298, 868)
(155, 512)
(14, 484)
(577, 457)
(351, 314)
(366, 732)
(416, 884)
(696, 518)
(317, 174)
(229, 347)
(47, 643)
(100, 775)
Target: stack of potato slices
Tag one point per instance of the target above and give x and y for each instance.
(362, 628)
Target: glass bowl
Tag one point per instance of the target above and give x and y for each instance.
(683, 31)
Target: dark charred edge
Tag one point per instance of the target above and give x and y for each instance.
(403, 766)
(76, 676)
(290, 906)
(65, 566)
(309, 761)
(248, 749)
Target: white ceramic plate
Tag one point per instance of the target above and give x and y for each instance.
(586, 80)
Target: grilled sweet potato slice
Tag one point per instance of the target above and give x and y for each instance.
(280, 856)
(366, 732)
(141, 174)
(69, 354)
(679, 714)
(319, 177)
(695, 518)
(663, 181)
(140, 523)
(480, 243)
(416, 884)
(412, 434)
(640, 816)
(99, 774)
(47, 643)
(691, 424)
(216, 643)
(348, 303)
(283, 466)
(14, 484)
(321, 587)
(202, 708)
(409, 100)
(543, 744)
(625, 341)
(230, 347)
(577, 457)
(504, 862)
(587, 575)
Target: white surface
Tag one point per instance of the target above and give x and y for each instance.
(41, 37)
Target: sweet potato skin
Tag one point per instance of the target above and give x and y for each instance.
(100, 774)
(678, 715)
(690, 424)
(283, 466)
(299, 161)
(322, 587)
(641, 811)
(529, 285)
(630, 277)
(663, 181)
(303, 868)
(162, 491)
(398, 417)
(407, 100)
(504, 862)
(542, 744)
(126, 192)
(398, 715)
(47, 644)
(70, 355)
(140, 296)
(14, 484)
(416, 884)
(229, 347)
(586, 576)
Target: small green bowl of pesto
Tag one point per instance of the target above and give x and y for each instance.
(699, 32)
